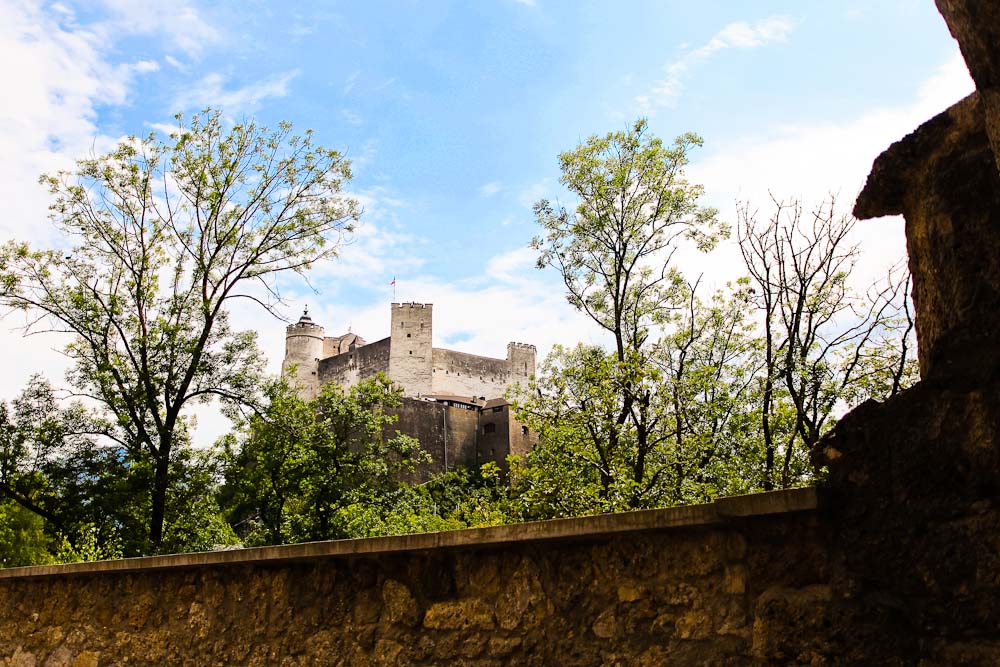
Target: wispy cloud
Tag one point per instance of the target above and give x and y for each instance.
(177, 21)
(490, 189)
(62, 73)
(212, 90)
(737, 35)
(299, 31)
(351, 82)
(176, 64)
(146, 66)
(351, 117)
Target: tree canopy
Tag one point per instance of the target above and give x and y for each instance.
(162, 237)
(305, 470)
(613, 252)
(696, 397)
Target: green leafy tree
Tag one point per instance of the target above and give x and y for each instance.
(700, 379)
(613, 252)
(585, 460)
(50, 464)
(709, 355)
(161, 237)
(23, 540)
(457, 499)
(89, 494)
(312, 470)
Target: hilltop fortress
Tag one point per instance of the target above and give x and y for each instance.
(453, 401)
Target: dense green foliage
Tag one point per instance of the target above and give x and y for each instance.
(313, 470)
(58, 464)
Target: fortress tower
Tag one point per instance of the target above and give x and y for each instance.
(411, 356)
(521, 358)
(303, 350)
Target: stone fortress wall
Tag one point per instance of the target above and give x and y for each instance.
(351, 367)
(453, 401)
(407, 356)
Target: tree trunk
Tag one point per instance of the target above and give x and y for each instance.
(161, 481)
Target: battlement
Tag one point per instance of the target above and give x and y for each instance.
(301, 326)
(521, 346)
(412, 304)
(304, 325)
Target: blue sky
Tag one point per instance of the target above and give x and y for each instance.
(454, 113)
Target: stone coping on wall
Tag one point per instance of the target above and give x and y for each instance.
(581, 528)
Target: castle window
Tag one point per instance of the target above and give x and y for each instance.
(411, 351)
(489, 428)
(524, 430)
(407, 335)
(498, 408)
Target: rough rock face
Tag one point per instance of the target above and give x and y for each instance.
(916, 524)
(976, 26)
(942, 178)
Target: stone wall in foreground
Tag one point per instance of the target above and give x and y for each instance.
(737, 582)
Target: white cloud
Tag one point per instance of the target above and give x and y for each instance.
(146, 66)
(176, 64)
(810, 160)
(526, 3)
(737, 35)
(177, 21)
(351, 82)
(165, 129)
(514, 266)
(211, 91)
(61, 77)
(47, 119)
(65, 71)
(490, 189)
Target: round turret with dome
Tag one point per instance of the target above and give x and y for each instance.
(303, 350)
